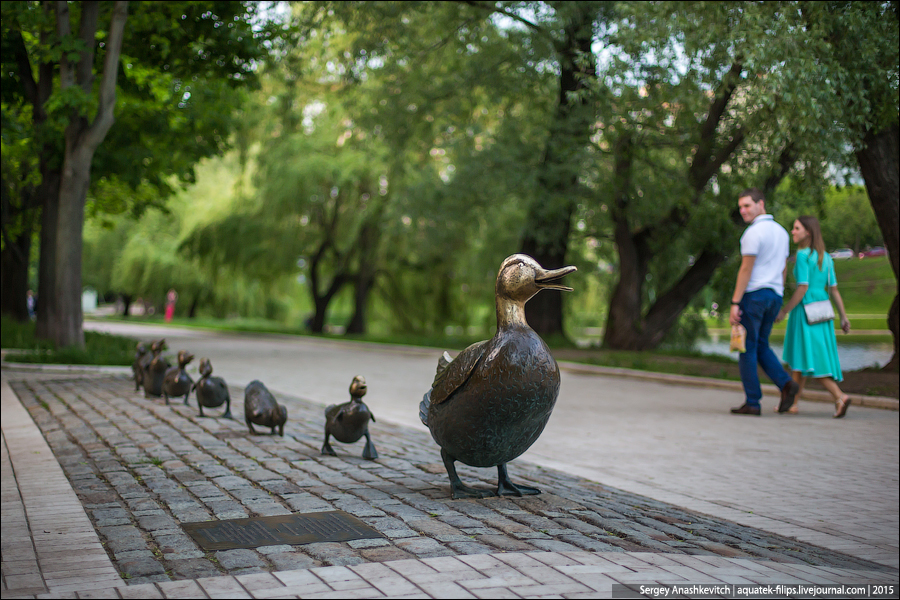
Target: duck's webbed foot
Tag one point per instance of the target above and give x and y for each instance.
(457, 488)
(505, 487)
(369, 451)
(326, 447)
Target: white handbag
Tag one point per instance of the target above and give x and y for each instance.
(818, 312)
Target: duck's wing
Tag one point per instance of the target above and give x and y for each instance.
(453, 374)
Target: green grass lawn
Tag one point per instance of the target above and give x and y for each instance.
(867, 287)
(99, 348)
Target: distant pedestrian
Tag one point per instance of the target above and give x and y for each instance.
(758, 295)
(30, 303)
(811, 350)
(171, 299)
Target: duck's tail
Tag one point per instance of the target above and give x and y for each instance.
(443, 362)
(423, 407)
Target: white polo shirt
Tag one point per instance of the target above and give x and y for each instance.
(769, 243)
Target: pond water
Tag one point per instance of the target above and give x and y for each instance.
(854, 356)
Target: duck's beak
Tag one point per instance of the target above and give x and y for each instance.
(546, 280)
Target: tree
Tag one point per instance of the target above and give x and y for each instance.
(176, 106)
(82, 137)
(697, 110)
(19, 212)
(487, 144)
(862, 40)
(682, 127)
(28, 83)
(848, 220)
(314, 213)
(878, 162)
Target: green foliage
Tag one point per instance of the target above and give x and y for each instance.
(141, 257)
(185, 69)
(405, 140)
(849, 221)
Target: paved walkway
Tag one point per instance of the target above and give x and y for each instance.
(678, 479)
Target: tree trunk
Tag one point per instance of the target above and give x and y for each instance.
(623, 321)
(880, 167)
(367, 243)
(15, 259)
(46, 298)
(321, 301)
(126, 304)
(38, 91)
(627, 326)
(82, 139)
(546, 236)
(70, 227)
(363, 285)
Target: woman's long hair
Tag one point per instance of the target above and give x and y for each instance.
(811, 224)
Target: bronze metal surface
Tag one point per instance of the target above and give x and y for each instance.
(349, 421)
(297, 528)
(488, 405)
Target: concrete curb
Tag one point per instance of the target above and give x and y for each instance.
(882, 402)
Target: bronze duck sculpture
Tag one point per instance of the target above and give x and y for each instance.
(491, 403)
(349, 421)
(261, 408)
(155, 371)
(176, 381)
(138, 372)
(143, 363)
(211, 392)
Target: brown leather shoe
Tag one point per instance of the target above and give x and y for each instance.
(746, 409)
(788, 393)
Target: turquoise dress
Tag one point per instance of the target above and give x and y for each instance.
(812, 349)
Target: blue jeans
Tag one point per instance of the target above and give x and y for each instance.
(758, 311)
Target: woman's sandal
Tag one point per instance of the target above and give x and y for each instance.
(840, 406)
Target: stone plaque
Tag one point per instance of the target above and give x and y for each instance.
(332, 526)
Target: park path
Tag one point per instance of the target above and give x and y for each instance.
(832, 483)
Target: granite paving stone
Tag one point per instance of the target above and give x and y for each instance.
(142, 470)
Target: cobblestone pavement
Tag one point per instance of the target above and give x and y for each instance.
(830, 483)
(141, 469)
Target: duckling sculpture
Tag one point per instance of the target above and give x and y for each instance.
(177, 382)
(261, 408)
(155, 371)
(139, 353)
(349, 421)
(491, 403)
(211, 392)
(144, 361)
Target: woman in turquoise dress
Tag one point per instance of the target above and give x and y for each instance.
(811, 350)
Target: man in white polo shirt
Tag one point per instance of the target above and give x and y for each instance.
(757, 298)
